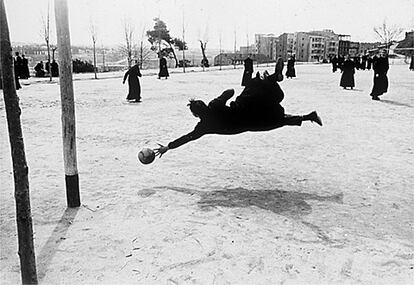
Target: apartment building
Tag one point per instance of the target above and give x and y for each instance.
(267, 44)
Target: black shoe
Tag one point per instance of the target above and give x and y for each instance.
(376, 98)
(314, 118)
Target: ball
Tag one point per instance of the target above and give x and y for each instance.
(146, 155)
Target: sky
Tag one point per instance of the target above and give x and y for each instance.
(214, 21)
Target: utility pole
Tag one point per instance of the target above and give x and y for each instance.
(235, 42)
(68, 104)
(183, 44)
(20, 168)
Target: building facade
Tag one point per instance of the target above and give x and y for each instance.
(267, 44)
(286, 45)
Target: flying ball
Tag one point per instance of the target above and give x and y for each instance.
(146, 155)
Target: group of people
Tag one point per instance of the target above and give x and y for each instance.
(380, 65)
(21, 68)
(363, 62)
(133, 74)
(40, 70)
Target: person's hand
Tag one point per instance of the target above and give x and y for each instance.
(123, 81)
(161, 150)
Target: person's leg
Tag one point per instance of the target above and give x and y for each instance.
(297, 120)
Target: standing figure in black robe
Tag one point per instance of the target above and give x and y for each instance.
(340, 62)
(364, 59)
(134, 93)
(248, 71)
(54, 68)
(369, 62)
(348, 71)
(290, 70)
(334, 62)
(25, 68)
(47, 67)
(357, 62)
(18, 64)
(412, 63)
(163, 68)
(380, 67)
(16, 72)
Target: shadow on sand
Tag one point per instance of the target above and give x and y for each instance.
(58, 235)
(395, 103)
(287, 203)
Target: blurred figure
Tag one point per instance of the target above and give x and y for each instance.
(163, 68)
(18, 63)
(290, 70)
(47, 67)
(39, 69)
(133, 73)
(54, 68)
(380, 67)
(369, 62)
(25, 68)
(348, 71)
(334, 61)
(412, 63)
(248, 71)
(340, 62)
(357, 62)
(364, 59)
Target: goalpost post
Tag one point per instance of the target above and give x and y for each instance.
(68, 104)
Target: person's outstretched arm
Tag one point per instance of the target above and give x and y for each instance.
(195, 134)
(125, 76)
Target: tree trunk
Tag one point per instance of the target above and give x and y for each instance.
(20, 169)
(68, 104)
(141, 55)
(103, 60)
(175, 56)
(94, 59)
(48, 61)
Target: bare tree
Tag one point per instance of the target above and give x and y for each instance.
(220, 55)
(45, 33)
(26, 248)
(143, 51)
(129, 47)
(235, 48)
(94, 35)
(387, 33)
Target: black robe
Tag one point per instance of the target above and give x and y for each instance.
(163, 68)
(133, 82)
(334, 62)
(290, 71)
(380, 67)
(256, 109)
(54, 67)
(248, 71)
(25, 68)
(348, 71)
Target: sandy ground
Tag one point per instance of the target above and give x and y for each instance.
(297, 205)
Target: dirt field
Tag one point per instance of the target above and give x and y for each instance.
(297, 205)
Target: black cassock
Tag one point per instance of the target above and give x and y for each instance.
(290, 71)
(380, 66)
(248, 71)
(133, 83)
(163, 68)
(348, 70)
